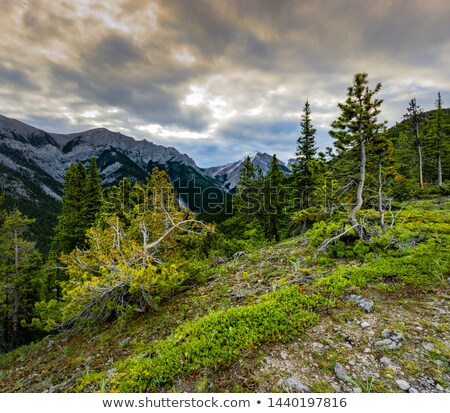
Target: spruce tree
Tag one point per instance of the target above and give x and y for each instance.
(414, 118)
(273, 200)
(92, 200)
(72, 224)
(306, 151)
(356, 126)
(246, 198)
(18, 259)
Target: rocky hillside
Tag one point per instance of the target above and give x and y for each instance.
(228, 174)
(33, 163)
(275, 319)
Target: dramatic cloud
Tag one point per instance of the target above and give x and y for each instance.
(216, 79)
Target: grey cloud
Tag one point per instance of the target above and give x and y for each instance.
(114, 52)
(81, 57)
(16, 78)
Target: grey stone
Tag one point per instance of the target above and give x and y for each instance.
(385, 342)
(317, 346)
(357, 390)
(386, 333)
(352, 363)
(284, 354)
(413, 390)
(393, 335)
(386, 361)
(340, 372)
(294, 385)
(336, 387)
(428, 346)
(403, 385)
(337, 329)
(110, 372)
(365, 324)
(439, 387)
(363, 303)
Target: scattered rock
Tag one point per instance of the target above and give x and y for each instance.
(336, 387)
(110, 373)
(284, 354)
(386, 342)
(367, 350)
(365, 324)
(357, 390)
(352, 363)
(403, 385)
(439, 387)
(317, 346)
(363, 303)
(340, 372)
(413, 390)
(294, 385)
(393, 335)
(386, 361)
(428, 346)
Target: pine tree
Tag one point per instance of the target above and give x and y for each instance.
(273, 200)
(246, 199)
(306, 151)
(71, 228)
(92, 200)
(18, 258)
(414, 118)
(356, 126)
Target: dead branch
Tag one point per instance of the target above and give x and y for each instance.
(328, 241)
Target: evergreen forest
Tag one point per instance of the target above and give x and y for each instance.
(146, 295)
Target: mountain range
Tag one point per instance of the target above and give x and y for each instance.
(33, 163)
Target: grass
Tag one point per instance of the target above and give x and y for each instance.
(207, 336)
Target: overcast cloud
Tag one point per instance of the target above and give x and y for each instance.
(216, 79)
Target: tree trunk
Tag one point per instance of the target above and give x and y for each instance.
(359, 192)
(419, 151)
(380, 193)
(439, 159)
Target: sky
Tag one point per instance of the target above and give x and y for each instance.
(216, 79)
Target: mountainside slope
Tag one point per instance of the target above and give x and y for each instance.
(275, 320)
(33, 163)
(229, 174)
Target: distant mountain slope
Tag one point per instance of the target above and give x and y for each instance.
(33, 163)
(229, 174)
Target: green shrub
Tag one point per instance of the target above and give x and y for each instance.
(214, 341)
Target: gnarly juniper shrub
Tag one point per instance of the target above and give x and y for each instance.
(415, 251)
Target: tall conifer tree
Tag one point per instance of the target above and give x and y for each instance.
(356, 126)
(273, 200)
(414, 118)
(93, 194)
(306, 151)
